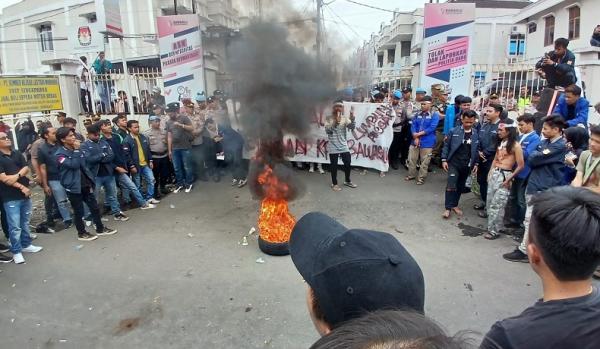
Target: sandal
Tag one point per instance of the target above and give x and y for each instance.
(350, 184)
(409, 178)
(458, 211)
(420, 182)
(446, 214)
(336, 187)
(491, 235)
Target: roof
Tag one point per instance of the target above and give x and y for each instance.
(537, 7)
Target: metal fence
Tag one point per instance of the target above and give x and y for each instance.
(108, 91)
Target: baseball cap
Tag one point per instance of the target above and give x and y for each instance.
(426, 99)
(353, 271)
(173, 107)
(398, 94)
(200, 97)
(153, 118)
(421, 90)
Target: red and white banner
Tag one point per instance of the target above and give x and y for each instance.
(181, 56)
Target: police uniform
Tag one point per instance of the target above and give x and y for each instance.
(157, 139)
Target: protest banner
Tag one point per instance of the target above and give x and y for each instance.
(108, 14)
(446, 46)
(22, 94)
(181, 56)
(369, 142)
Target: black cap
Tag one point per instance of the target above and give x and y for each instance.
(406, 90)
(173, 107)
(426, 99)
(354, 271)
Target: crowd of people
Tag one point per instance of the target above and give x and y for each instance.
(131, 168)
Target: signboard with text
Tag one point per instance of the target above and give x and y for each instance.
(22, 94)
(448, 30)
(181, 56)
(108, 14)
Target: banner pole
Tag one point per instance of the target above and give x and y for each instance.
(127, 82)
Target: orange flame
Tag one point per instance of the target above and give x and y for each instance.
(275, 222)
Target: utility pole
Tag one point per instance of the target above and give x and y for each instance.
(319, 28)
(260, 9)
(175, 6)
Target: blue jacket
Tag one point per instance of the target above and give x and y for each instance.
(454, 140)
(529, 144)
(546, 163)
(427, 123)
(451, 121)
(98, 154)
(120, 151)
(488, 138)
(582, 107)
(563, 74)
(71, 165)
(133, 155)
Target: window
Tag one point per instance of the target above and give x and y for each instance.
(516, 45)
(531, 27)
(391, 56)
(46, 37)
(549, 31)
(574, 20)
(404, 48)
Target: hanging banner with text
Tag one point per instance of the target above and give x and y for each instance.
(108, 17)
(446, 46)
(181, 56)
(369, 142)
(23, 94)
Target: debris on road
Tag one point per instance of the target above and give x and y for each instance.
(78, 247)
(251, 231)
(468, 287)
(172, 206)
(260, 261)
(190, 235)
(244, 241)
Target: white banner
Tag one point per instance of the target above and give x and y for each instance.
(85, 38)
(181, 56)
(369, 142)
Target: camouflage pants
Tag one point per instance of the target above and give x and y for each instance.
(497, 197)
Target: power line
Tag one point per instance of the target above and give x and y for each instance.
(344, 22)
(370, 6)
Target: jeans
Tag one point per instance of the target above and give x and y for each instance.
(235, 159)
(127, 186)
(198, 160)
(110, 192)
(528, 212)
(60, 196)
(518, 202)
(395, 148)
(346, 159)
(104, 91)
(182, 161)
(4, 221)
(77, 201)
(414, 156)
(161, 170)
(145, 172)
(50, 207)
(457, 177)
(86, 100)
(18, 215)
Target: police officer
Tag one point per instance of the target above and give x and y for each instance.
(157, 137)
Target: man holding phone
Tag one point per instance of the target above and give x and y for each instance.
(336, 127)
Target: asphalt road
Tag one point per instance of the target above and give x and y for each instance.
(178, 277)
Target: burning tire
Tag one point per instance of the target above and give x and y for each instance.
(274, 248)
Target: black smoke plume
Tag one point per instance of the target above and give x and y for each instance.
(279, 87)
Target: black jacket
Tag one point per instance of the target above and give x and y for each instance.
(71, 165)
(454, 140)
(133, 155)
(561, 74)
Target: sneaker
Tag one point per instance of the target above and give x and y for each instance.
(234, 182)
(148, 206)
(32, 249)
(68, 224)
(33, 236)
(516, 256)
(85, 236)
(18, 258)
(189, 188)
(153, 201)
(242, 183)
(5, 258)
(106, 231)
(4, 248)
(179, 187)
(321, 171)
(121, 217)
(311, 170)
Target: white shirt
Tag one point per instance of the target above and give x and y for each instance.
(83, 74)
